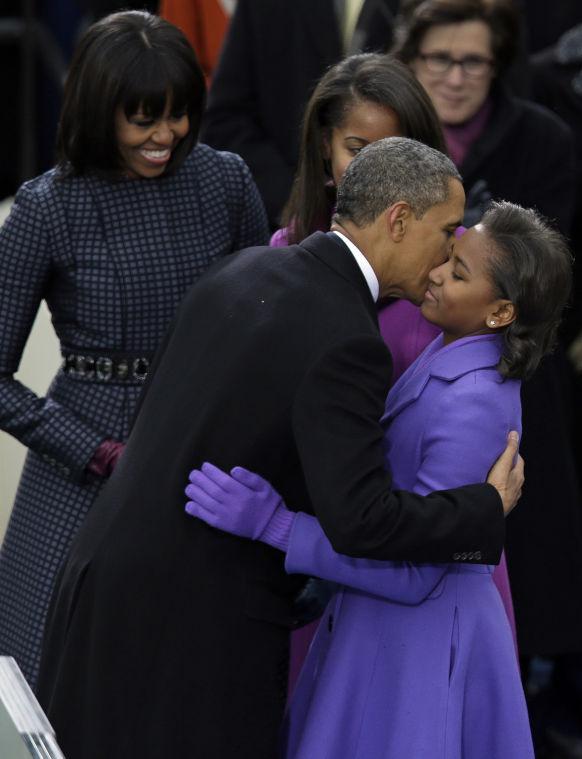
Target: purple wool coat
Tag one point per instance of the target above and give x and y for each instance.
(417, 660)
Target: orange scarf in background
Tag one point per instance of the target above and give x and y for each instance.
(204, 22)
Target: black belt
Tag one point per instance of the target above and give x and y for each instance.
(98, 367)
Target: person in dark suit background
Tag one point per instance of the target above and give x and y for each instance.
(273, 56)
(168, 638)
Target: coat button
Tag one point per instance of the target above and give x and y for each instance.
(456, 556)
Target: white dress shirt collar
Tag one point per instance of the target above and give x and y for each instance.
(363, 263)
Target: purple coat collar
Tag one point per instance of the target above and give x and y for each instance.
(447, 363)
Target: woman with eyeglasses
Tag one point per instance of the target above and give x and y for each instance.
(504, 147)
(511, 149)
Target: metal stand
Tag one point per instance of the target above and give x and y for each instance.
(25, 731)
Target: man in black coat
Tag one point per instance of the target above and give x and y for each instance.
(168, 638)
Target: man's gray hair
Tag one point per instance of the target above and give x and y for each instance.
(391, 170)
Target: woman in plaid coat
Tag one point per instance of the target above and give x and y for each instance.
(111, 239)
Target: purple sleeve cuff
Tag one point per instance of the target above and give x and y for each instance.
(278, 528)
(280, 238)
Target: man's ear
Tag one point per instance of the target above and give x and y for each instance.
(398, 217)
(501, 314)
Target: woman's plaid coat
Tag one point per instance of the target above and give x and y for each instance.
(112, 259)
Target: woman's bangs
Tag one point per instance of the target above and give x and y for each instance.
(150, 84)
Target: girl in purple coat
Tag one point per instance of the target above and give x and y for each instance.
(418, 660)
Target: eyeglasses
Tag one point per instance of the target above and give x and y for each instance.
(473, 66)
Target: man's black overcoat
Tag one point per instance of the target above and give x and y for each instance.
(167, 638)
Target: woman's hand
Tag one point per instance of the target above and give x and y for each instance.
(242, 503)
(105, 458)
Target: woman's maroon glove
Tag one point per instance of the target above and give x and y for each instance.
(105, 458)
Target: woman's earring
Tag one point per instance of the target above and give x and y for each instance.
(492, 323)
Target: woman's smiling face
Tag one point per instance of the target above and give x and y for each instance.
(146, 143)
(455, 95)
(460, 298)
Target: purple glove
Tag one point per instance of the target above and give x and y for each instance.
(242, 503)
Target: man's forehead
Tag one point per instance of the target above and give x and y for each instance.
(454, 205)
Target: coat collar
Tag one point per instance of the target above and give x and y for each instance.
(330, 249)
(447, 363)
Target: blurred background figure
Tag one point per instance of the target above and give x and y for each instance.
(544, 24)
(460, 51)
(274, 54)
(556, 77)
(509, 148)
(111, 238)
(204, 22)
(556, 82)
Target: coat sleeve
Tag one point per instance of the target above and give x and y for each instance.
(339, 439)
(232, 120)
(310, 553)
(42, 424)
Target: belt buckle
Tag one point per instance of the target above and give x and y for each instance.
(104, 368)
(139, 368)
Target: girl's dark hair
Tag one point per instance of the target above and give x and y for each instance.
(368, 77)
(532, 267)
(131, 60)
(418, 16)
